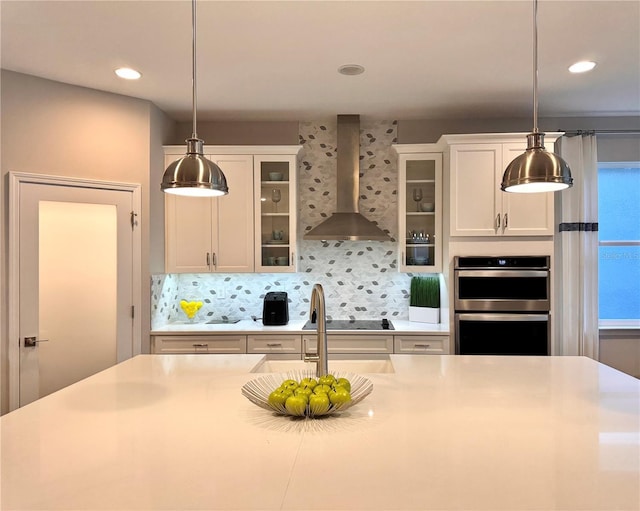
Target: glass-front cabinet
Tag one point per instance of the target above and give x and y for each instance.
(275, 218)
(419, 209)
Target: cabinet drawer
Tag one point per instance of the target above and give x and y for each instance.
(200, 344)
(425, 344)
(365, 344)
(285, 344)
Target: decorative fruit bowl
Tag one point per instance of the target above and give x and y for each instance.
(258, 391)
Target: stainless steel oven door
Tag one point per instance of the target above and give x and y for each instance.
(502, 334)
(502, 290)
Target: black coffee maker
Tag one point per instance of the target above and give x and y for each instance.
(275, 309)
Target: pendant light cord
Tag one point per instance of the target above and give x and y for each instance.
(193, 64)
(535, 66)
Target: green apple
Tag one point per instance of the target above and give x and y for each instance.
(308, 382)
(339, 396)
(321, 389)
(296, 405)
(343, 382)
(289, 384)
(305, 391)
(319, 404)
(278, 397)
(327, 379)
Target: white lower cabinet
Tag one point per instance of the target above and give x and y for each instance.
(173, 344)
(421, 344)
(275, 344)
(350, 344)
(293, 346)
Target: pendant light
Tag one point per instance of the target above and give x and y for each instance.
(536, 170)
(194, 175)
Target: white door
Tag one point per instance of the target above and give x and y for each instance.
(75, 283)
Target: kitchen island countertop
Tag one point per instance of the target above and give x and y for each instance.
(441, 432)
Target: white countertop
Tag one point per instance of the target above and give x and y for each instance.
(442, 432)
(248, 326)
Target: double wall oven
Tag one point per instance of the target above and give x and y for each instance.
(502, 305)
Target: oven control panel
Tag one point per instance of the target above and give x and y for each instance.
(505, 262)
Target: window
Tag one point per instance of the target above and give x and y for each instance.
(619, 243)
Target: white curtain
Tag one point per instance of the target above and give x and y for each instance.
(576, 251)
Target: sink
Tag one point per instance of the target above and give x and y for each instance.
(356, 366)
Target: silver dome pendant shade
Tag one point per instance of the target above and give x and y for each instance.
(193, 175)
(536, 170)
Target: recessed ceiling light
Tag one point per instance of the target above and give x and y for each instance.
(582, 67)
(351, 69)
(128, 73)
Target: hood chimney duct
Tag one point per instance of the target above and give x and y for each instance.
(347, 223)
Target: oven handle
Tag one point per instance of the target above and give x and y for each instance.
(474, 316)
(502, 273)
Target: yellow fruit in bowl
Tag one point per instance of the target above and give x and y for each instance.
(190, 308)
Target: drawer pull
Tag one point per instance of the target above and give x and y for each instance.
(274, 345)
(421, 345)
(200, 345)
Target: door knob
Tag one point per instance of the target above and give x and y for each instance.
(32, 342)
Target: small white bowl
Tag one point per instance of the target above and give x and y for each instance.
(428, 207)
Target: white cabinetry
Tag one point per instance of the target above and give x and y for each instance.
(172, 344)
(226, 234)
(215, 234)
(281, 344)
(350, 344)
(478, 207)
(419, 208)
(421, 344)
(275, 212)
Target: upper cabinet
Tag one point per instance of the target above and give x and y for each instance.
(212, 234)
(478, 207)
(275, 213)
(226, 234)
(419, 208)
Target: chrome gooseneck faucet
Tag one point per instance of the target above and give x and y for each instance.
(317, 307)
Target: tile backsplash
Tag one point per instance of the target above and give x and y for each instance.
(360, 278)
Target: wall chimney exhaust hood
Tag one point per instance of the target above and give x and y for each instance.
(347, 223)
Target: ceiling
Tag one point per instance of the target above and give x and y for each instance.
(264, 60)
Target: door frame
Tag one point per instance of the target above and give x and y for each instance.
(15, 180)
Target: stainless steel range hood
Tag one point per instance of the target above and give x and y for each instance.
(347, 223)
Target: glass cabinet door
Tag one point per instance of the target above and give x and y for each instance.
(420, 215)
(275, 213)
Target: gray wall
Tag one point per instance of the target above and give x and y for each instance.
(63, 130)
(239, 133)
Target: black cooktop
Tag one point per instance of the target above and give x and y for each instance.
(353, 324)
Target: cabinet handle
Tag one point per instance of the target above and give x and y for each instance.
(506, 221)
(498, 221)
(208, 260)
(274, 345)
(421, 345)
(214, 259)
(200, 345)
